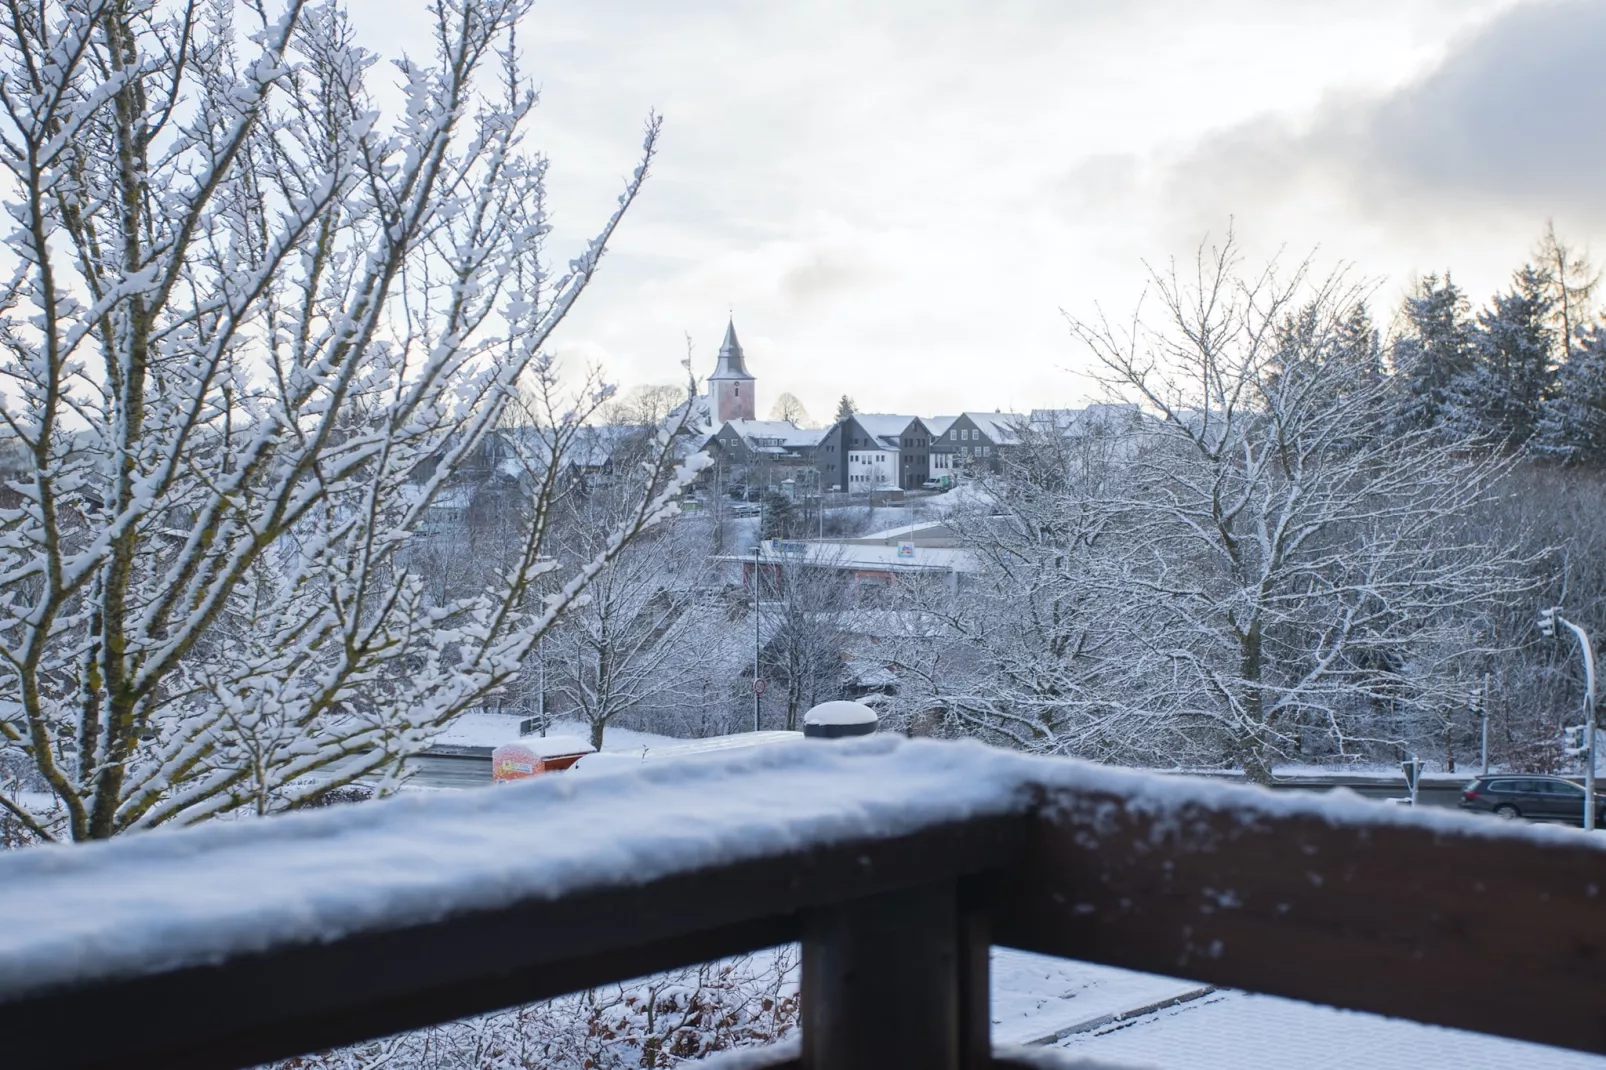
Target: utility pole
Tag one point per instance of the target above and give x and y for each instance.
(1548, 619)
(819, 499)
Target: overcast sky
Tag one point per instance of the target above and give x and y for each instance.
(898, 197)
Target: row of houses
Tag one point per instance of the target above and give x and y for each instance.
(860, 454)
(871, 451)
(865, 452)
(868, 452)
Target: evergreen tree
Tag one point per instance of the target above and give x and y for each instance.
(1573, 282)
(1360, 346)
(1515, 369)
(1572, 427)
(845, 408)
(780, 517)
(1434, 354)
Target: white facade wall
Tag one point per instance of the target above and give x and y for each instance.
(871, 470)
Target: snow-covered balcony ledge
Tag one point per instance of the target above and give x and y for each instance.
(897, 864)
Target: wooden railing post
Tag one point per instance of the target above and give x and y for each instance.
(892, 980)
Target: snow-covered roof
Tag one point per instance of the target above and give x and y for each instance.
(595, 444)
(938, 425)
(591, 446)
(701, 418)
(1098, 416)
(840, 712)
(548, 746)
(786, 432)
(876, 556)
(868, 673)
(883, 424)
(930, 529)
(1000, 427)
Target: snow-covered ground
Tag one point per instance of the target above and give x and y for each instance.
(1239, 1031)
(487, 729)
(1036, 997)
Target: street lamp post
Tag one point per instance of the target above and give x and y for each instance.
(758, 579)
(1548, 619)
(1484, 703)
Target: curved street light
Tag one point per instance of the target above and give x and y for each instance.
(1548, 619)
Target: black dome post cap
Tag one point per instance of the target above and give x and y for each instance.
(834, 720)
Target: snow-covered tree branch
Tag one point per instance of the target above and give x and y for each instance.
(1297, 558)
(251, 331)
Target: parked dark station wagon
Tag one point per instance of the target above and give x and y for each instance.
(1549, 798)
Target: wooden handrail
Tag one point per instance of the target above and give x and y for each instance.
(1443, 919)
(896, 865)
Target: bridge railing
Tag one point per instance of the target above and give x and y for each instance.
(896, 865)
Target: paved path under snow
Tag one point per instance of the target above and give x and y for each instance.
(1239, 1031)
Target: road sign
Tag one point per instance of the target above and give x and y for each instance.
(758, 687)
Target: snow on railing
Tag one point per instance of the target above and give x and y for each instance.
(896, 863)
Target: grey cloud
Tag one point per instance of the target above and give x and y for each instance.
(1514, 117)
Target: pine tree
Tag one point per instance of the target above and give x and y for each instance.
(845, 408)
(1434, 354)
(1573, 282)
(1360, 346)
(780, 517)
(1572, 427)
(1515, 368)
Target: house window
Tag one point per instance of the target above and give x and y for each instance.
(953, 436)
(986, 451)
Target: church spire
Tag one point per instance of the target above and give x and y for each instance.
(731, 364)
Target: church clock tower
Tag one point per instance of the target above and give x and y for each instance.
(730, 388)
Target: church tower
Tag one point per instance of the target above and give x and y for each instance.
(730, 388)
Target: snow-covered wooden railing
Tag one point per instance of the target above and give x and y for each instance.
(897, 864)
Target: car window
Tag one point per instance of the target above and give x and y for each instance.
(1562, 787)
(1506, 786)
